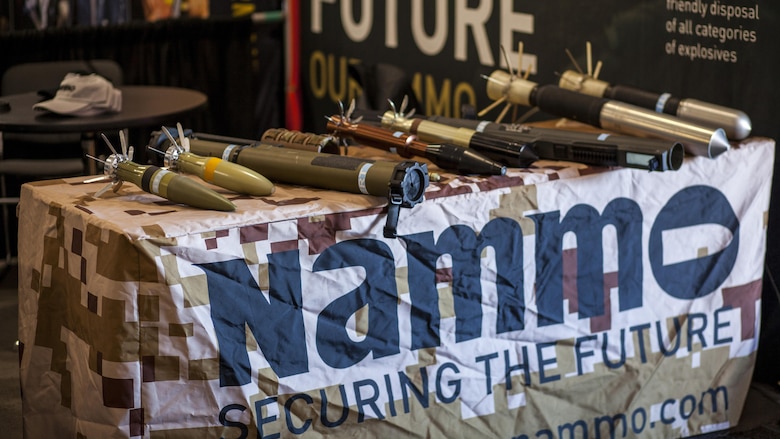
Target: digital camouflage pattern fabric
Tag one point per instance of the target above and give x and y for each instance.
(557, 301)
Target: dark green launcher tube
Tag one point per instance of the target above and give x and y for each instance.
(307, 168)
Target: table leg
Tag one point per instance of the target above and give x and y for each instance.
(88, 145)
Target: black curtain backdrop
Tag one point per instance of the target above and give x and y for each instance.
(238, 64)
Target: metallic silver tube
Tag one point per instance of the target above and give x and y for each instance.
(630, 119)
(610, 114)
(735, 123)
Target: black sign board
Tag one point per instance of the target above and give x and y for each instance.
(438, 52)
(718, 51)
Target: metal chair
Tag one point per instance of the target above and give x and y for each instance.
(27, 156)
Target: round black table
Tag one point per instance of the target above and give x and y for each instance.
(141, 106)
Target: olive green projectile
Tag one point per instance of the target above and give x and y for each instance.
(225, 174)
(172, 186)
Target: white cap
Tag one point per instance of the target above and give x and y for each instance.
(83, 95)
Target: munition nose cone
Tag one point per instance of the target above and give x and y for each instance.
(463, 160)
(719, 143)
(742, 128)
(478, 164)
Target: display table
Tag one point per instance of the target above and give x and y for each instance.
(558, 301)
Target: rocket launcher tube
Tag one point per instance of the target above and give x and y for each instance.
(327, 171)
(402, 183)
(597, 148)
(601, 149)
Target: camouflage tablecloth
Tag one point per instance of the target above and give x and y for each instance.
(557, 301)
